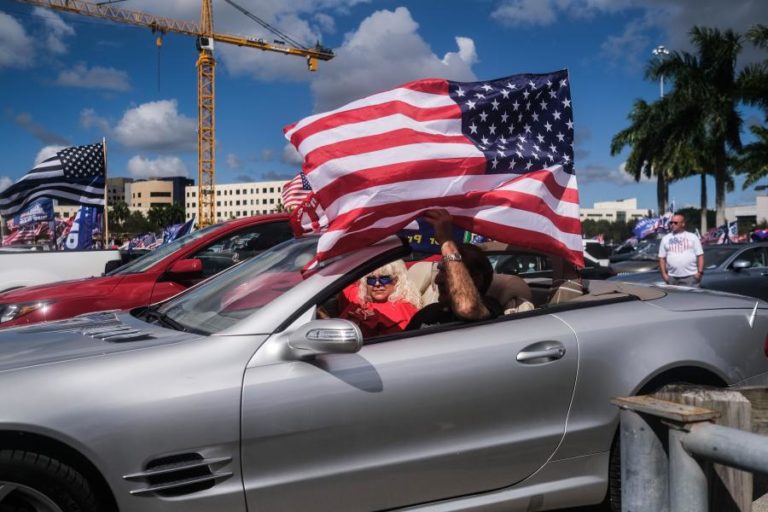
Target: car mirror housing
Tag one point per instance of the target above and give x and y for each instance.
(332, 336)
(740, 265)
(188, 266)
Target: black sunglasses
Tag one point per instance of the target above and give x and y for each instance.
(383, 280)
(674, 222)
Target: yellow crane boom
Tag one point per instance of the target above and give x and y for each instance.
(206, 65)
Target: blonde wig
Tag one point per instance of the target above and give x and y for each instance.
(404, 288)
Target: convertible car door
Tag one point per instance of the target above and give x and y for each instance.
(435, 415)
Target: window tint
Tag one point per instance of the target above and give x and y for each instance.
(241, 245)
(756, 257)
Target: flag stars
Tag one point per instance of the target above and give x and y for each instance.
(535, 116)
(486, 88)
(504, 117)
(479, 96)
(560, 137)
(505, 93)
(548, 126)
(552, 94)
(556, 114)
(471, 104)
(460, 92)
(540, 138)
(553, 149)
(532, 84)
(566, 158)
(569, 124)
(473, 128)
(543, 105)
(527, 129)
(495, 104)
(563, 82)
(526, 94)
(566, 103)
(483, 116)
(492, 129)
(515, 105)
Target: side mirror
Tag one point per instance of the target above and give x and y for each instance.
(739, 265)
(333, 336)
(188, 266)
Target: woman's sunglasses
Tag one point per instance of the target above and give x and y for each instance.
(383, 280)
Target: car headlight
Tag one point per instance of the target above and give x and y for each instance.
(10, 312)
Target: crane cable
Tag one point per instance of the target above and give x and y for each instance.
(267, 26)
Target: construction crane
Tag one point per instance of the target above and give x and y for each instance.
(206, 65)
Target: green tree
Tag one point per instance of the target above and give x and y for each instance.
(164, 215)
(753, 160)
(118, 214)
(647, 138)
(707, 91)
(136, 223)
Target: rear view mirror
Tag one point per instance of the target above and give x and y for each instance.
(333, 336)
(188, 266)
(740, 265)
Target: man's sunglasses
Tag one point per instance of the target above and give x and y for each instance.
(383, 280)
(674, 222)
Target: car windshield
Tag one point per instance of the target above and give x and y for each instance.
(148, 260)
(236, 293)
(715, 256)
(647, 251)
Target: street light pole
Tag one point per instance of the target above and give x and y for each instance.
(660, 52)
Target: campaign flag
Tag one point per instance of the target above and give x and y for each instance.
(645, 226)
(27, 234)
(295, 192)
(171, 233)
(38, 210)
(497, 154)
(759, 235)
(73, 174)
(421, 236)
(80, 235)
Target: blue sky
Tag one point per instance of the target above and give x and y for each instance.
(71, 80)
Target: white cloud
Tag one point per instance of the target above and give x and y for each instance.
(525, 12)
(57, 30)
(233, 162)
(16, 47)
(109, 79)
(604, 174)
(266, 155)
(140, 167)
(47, 152)
(291, 156)
(157, 126)
(90, 119)
(5, 182)
(385, 51)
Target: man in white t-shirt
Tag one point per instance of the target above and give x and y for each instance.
(681, 258)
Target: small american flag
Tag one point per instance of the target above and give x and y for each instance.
(74, 174)
(295, 192)
(497, 154)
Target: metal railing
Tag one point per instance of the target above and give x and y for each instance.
(655, 479)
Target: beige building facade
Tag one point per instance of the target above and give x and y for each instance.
(236, 200)
(619, 210)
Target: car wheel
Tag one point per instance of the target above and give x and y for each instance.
(32, 482)
(613, 498)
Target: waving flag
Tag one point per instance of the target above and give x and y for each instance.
(295, 192)
(497, 154)
(73, 174)
(175, 231)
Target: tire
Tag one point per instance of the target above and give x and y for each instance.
(613, 497)
(33, 482)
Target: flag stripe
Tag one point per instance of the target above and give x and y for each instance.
(432, 95)
(369, 144)
(377, 120)
(337, 168)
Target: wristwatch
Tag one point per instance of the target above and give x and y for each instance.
(454, 256)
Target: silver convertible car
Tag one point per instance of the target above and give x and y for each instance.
(233, 396)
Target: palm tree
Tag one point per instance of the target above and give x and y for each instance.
(646, 137)
(754, 81)
(119, 213)
(707, 89)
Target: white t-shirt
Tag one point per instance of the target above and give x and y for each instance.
(681, 251)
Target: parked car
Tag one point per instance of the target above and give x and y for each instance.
(507, 259)
(735, 268)
(233, 396)
(626, 251)
(150, 278)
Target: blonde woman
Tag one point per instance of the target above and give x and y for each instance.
(383, 302)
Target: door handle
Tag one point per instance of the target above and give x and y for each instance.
(543, 352)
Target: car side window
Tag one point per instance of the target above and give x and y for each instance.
(756, 257)
(241, 245)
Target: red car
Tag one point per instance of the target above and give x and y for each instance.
(151, 278)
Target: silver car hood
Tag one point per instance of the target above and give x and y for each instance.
(91, 335)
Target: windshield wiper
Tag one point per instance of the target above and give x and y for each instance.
(154, 315)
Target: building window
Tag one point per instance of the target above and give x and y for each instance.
(218, 203)
(263, 191)
(271, 190)
(237, 191)
(272, 201)
(218, 192)
(237, 202)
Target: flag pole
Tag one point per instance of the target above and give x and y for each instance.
(105, 238)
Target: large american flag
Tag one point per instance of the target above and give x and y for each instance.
(75, 174)
(497, 154)
(295, 192)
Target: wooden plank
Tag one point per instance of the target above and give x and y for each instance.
(758, 397)
(665, 409)
(730, 490)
